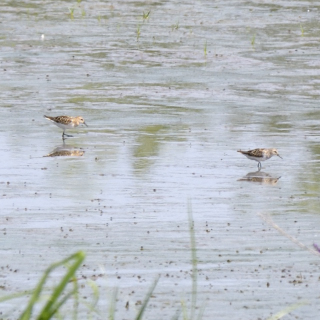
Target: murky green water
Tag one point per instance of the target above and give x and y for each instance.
(168, 100)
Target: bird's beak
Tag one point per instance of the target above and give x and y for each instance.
(85, 124)
(279, 156)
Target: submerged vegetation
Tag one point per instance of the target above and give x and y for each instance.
(302, 30)
(145, 15)
(71, 13)
(175, 26)
(138, 32)
(253, 40)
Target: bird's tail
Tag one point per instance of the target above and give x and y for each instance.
(47, 117)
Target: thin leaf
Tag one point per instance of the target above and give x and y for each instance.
(78, 257)
(76, 299)
(15, 295)
(287, 310)
(56, 307)
(112, 308)
(146, 300)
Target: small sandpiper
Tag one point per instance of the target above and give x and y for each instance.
(260, 155)
(65, 122)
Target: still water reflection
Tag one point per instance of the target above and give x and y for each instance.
(66, 151)
(260, 177)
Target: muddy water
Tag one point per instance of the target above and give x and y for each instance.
(168, 100)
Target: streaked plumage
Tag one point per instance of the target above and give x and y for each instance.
(66, 122)
(260, 154)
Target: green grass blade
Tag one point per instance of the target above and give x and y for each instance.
(76, 299)
(15, 295)
(201, 312)
(78, 257)
(112, 308)
(57, 306)
(95, 291)
(146, 300)
(91, 305)
(35, 296)
(287, 310)
(184, 310)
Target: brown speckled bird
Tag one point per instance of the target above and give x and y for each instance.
(260, 154)
(66, 122)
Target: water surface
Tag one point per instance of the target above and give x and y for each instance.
(168, 100)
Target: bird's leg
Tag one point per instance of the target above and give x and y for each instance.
(64, 134)
(259, 165)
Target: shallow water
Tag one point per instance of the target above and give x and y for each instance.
(165, 122)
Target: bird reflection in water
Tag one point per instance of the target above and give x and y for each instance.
(260, 177)
(66, 151)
